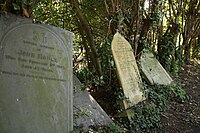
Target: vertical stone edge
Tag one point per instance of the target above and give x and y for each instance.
(71, 90)
(67, 38)
(69, 42)
(113, 53)
(1, 25)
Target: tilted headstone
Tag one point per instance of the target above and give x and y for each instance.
(127, 70)
(87, 112)
(36, 79)
(153, 70)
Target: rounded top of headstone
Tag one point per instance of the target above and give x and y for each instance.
(36, 79)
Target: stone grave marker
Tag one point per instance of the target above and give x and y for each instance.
(87, 112)
(36, 79)
(7, 19)
(127, 70)
(153, 70)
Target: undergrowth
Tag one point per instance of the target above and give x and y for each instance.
(146, 115)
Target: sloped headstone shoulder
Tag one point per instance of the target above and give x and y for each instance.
(8, 20)
(153, 70)
(87, 112)
(127, 70)
(36, 80)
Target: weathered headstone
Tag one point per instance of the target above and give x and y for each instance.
(87, 112)
(153, 70)
(6, 20)
(127, 70)
(35, 78)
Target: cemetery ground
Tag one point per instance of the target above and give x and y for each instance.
(179, 116)
(185, 117)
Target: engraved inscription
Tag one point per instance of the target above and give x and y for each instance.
(10, 57)
(127, 69)
(36, 59)
(26, 54)
(40, 37)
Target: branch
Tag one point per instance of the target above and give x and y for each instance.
(107, 8)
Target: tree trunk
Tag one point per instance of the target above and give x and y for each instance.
(187, 51)
(88, 34)
(145, 29)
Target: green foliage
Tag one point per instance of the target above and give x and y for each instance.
(78, 129)
(145, 118)
(146, 115)
(18, 5)
(168, 54)
(113, 128)
(159, 94)
(196, 50)
(57, 13)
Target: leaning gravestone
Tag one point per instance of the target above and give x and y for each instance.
(153, 70)
(87, 112)
(35, 78)
(127, 70)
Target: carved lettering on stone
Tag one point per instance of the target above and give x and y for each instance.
(36, 79)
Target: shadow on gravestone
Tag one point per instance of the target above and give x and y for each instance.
(153, 70)
(127, 71)
(35, 78)
(87, 112)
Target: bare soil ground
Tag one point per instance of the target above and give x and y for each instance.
(185, 117)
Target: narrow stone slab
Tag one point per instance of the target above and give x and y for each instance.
(36, 79)
(87, 112)
(127, 70)
(153, 70)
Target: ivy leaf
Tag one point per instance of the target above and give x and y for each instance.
(16, 7)
(25, 2)
(112, 63)
(24, 8)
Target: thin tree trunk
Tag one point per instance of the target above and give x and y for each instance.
(84, 42)
(89, 36)
(137, 27)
